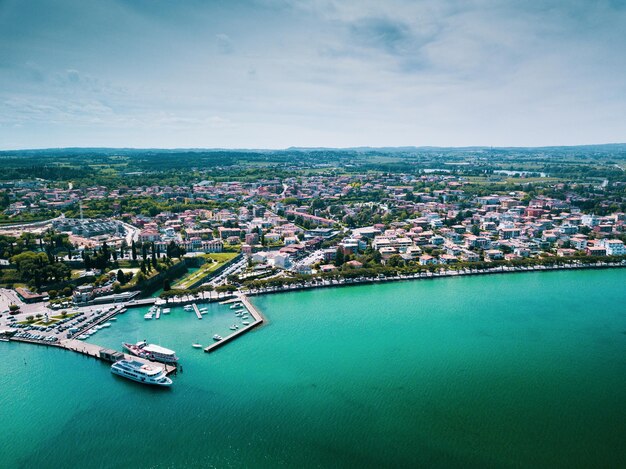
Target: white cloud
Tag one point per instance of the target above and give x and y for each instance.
(320, 72)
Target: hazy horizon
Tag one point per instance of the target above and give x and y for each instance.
(297, 148)
(274, 74)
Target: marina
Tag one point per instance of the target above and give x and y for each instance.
(258, 320)
(81, 334)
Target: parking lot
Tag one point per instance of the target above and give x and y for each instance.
(76, 320)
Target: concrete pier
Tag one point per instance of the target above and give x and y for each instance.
(196, 310)
(258, 319)
(93, 350)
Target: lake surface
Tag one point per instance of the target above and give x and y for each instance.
(513, 370)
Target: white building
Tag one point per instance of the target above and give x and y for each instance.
(590, 220)
(614, 247)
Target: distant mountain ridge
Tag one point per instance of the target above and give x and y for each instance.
(605, 147)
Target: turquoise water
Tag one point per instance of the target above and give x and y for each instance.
(516, 370)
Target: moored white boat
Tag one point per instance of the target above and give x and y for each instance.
(141, 372)
(217, 337)
(151, 352)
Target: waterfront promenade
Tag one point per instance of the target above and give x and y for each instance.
(330, 282)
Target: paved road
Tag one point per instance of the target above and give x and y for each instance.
(314, 257)
(233, 268)
(8, 297)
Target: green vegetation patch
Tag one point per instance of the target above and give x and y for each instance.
(219, 259)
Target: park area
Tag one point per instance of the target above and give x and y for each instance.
(213, 262)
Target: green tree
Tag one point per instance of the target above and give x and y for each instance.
(121, 277)
(339, 257)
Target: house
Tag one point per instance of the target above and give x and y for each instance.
(579, 242)
(427, 260)
(595, 251)
(494, 255)
(470, 256)
(228, 232)
(614, 247)
(448, 259)
(82, 294)
(149, 235)
(354, 264)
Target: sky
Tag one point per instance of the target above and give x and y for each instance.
(316, 73)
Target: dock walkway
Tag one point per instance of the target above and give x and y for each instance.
(93, 350)
(196, 310)
(258, 319)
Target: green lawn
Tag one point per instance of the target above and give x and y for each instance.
(52, 320)
(206, 269)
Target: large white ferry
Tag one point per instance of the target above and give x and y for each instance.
(140, 372)
(151, 352)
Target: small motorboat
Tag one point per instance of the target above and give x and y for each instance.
(245, 323)
(234, 327)
(166, 311)
(147, 316)
(188, 308)
(106, 324)
(113, 319)
(217, 337)
(196, 345)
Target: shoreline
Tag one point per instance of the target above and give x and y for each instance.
(428, 275)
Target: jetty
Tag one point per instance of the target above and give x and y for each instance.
(108, 355)
(258, 319)
(232, 300)
(95, 351)
(196, 310)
